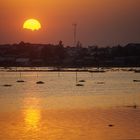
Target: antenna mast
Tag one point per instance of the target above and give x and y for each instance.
(75, 34)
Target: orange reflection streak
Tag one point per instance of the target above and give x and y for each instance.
(32, 113)
(32, 118)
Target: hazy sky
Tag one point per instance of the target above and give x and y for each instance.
(102, 22)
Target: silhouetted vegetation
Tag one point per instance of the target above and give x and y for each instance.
(26, 54)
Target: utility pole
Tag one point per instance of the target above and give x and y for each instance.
(75, 34)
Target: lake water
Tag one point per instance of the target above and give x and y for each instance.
(60, 110)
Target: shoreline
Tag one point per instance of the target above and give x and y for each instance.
(90, 70)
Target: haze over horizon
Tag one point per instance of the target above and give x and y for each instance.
(101, 22)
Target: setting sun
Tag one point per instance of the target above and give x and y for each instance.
(32, 24)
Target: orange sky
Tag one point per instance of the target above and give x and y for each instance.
(102, 22)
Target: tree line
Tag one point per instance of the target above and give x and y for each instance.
(27, 54)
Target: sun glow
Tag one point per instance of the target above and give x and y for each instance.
(32, 118)
(32, 24)
(32, 113)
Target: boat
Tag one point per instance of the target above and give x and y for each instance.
(82, 81)
(137, 71)
(132, 106)
(7, 85)
(20, 81)
(111, 125)
(79, 85)
(39, 82)
(136, 80)
(100, 82)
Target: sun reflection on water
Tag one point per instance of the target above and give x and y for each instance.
(32, 113)
(32, 118)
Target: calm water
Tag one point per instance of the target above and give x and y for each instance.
(60, 110)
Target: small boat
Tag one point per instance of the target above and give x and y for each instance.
(136, 80)
(20, 81)
(101, 83)
(79, 85)
(137, 71)
(111, 125)
(132, 106)
(82, 81)
(40, 82)
(7, 85)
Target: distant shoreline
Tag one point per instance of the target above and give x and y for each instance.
(86, 69)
